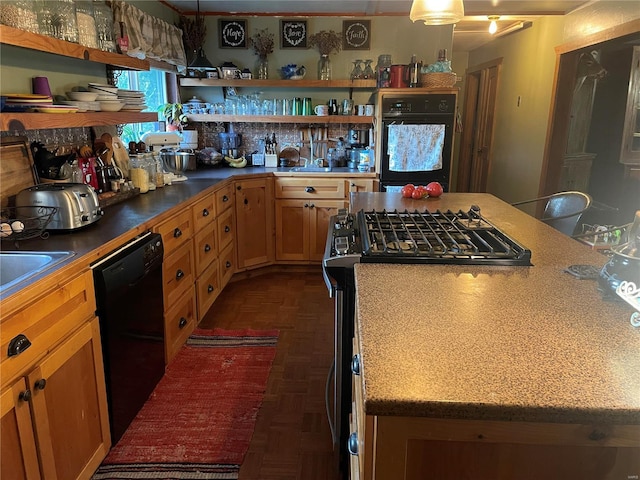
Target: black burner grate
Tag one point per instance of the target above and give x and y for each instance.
(436, 237)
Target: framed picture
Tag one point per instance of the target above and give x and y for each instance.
(232, 33)
(356, 34)
(293, 34)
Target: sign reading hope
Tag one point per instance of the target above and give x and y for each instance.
(233, 33)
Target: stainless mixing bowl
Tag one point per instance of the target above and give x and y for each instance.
(175, 162)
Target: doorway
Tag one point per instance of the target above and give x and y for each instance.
(583, 150)
(474, 159)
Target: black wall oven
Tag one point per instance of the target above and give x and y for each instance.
(417, 139)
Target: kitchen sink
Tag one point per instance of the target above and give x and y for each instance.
(18, 266)
(310, 169)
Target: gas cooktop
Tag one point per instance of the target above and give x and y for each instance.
(439, 237)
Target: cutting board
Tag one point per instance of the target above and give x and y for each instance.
(120, 155)
(17, 171)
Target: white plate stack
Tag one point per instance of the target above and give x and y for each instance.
(133, 100)
(107, 96)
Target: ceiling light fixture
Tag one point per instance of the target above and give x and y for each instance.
(493, 26)
(437, 12)
(201, 62)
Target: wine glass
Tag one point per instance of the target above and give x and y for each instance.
(357, 70)
(368, 71)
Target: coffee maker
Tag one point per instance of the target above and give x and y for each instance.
(230, 143)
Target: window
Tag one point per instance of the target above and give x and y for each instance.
(153, 84)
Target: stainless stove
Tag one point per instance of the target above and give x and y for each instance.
(418, 237)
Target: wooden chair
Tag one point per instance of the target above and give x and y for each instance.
(562, 210)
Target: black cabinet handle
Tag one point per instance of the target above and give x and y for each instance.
(182, 323)
(40, 384)
(18, 344)
(227, 229)
(312, 205)
(210, 288)
(179, 274)
(246, 201)
(25, 396)
(207, 248)
(306, 205)
(177, 233)
(239, 187)
(228, 264)
(353, 184)
(309, 189)
(225, 198)
(352, 444)
(205, 213)
(355, 364)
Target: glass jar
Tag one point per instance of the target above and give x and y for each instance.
(324, 68)
(104, 26)
(20, 14)
(262, 72)
(87, 32)
(383, 71)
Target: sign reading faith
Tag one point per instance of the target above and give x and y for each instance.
(356, 34)
(233, 33)
(293, 33)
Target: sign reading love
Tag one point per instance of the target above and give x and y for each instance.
(293, 34)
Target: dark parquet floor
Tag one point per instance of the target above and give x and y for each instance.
(292, 439)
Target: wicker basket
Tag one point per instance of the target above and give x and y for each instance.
(438, 79)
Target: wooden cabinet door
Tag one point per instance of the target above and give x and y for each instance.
(17, 443)
(320, 212)
(292, 230)
(69, 407)
(254, 222)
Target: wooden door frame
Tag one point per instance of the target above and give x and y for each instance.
(469, 132)
(563, 83)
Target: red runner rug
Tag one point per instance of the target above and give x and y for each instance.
(198, 422)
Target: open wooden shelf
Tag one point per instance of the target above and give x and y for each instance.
(315, 119)
(34, 41)
(211, 82)
(32, 121)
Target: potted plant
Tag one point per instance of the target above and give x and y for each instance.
(174, 116)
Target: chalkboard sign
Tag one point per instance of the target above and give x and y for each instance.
(356, 34)
(233, 33)
(293, 34)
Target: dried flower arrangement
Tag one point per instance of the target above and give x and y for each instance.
(262, 42)
(326, 42)
(194, 32)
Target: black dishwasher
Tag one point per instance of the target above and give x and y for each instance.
(128, 285)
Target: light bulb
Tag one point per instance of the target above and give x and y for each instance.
(493, 26)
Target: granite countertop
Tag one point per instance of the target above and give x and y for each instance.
(495, 343)
(124, 221)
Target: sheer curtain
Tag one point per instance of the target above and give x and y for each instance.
(149, 37)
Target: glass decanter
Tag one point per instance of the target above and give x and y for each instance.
(357, 70)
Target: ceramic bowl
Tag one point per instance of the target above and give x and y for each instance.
(111, 106)
(82, 96)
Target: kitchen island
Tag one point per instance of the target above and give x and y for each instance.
(493, 372)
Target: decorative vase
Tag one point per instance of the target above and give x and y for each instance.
(324, 68)
(262, 68)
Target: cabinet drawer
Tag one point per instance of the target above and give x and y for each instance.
(204, 212)
(45, 322)
(179, 322)
(225, 229)
(177, 275)
(355, 185)
(227, 265)
(207, 289)
(224, 198)
(309, 188)
(176, 230)
(205, 249)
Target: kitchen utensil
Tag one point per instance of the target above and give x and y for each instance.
(120, 156)
(77, 204)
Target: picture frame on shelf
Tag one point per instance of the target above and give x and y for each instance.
(356, 34)
(232, 33)
(293, 33)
